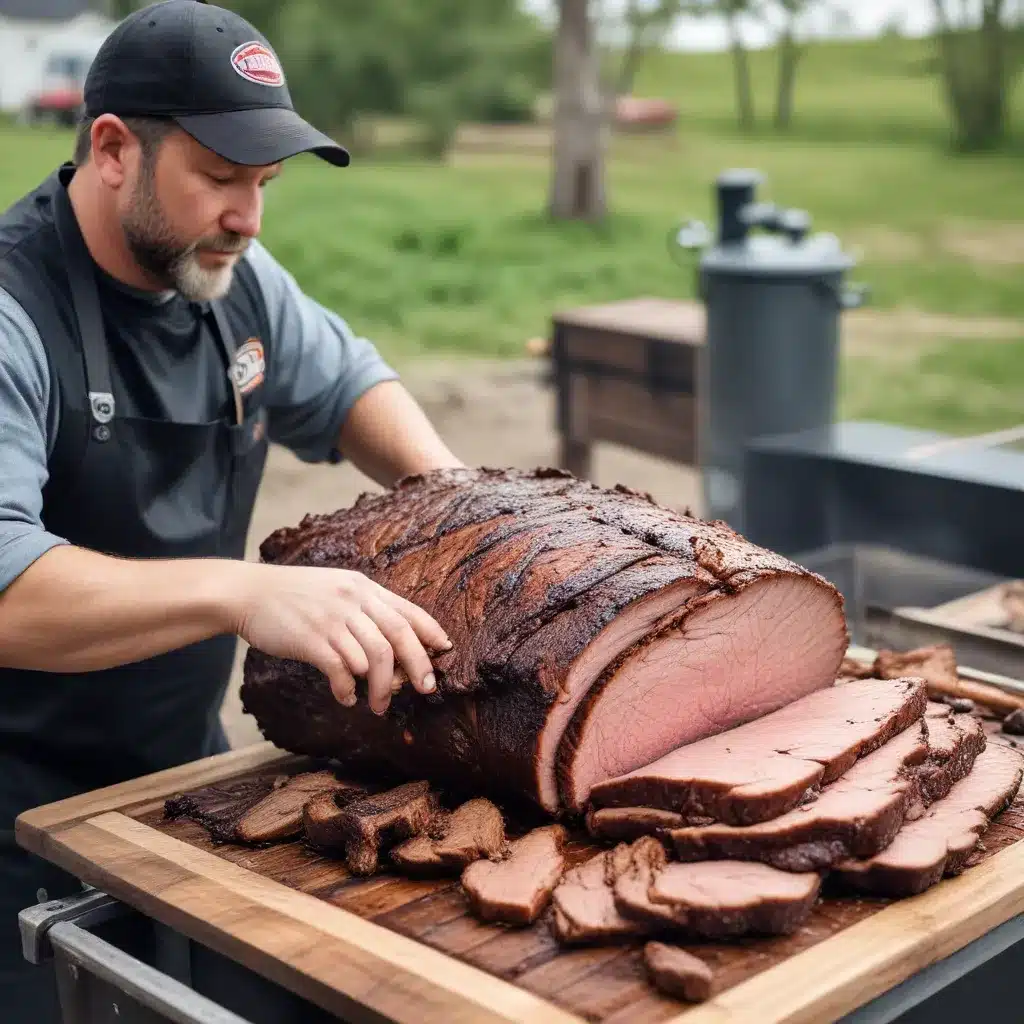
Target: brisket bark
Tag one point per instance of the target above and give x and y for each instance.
(858, 814)
(218, 808)
(574, 610)
(515, 890)
(759, 770)
(939, 842)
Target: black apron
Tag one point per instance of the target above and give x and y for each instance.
(140, 488)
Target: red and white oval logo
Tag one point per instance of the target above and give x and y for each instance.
(256, 63)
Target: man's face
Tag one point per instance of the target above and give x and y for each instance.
(188, 215)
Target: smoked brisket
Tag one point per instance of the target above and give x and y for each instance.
(594, 631)
(473, 831)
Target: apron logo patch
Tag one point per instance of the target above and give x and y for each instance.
(249, 366)
(257, 63)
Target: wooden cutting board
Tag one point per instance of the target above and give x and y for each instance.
(409, 951)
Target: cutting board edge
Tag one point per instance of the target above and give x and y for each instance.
(381, 957)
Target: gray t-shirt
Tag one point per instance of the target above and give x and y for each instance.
(317, 369)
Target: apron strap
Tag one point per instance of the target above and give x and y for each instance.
(89, 316)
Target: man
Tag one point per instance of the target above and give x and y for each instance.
(150, 349)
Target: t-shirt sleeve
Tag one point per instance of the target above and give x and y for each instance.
(27, 429)
(317, 366)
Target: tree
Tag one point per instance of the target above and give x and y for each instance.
(977, 69)
(580, 124)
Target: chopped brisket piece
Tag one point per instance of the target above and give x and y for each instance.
(935, 663)
(594, 631)
(475, 830)
(367, 827)
(219, 807)
(258, 810)
(939, 843)
(677, 973)
(719, 899)
(516, 889)
(279, 814)
(759, 770)
(859, 813)
(583, 904)
(851, 668)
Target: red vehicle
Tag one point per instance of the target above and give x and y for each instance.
(61, 98)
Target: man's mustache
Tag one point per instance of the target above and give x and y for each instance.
(231, 242)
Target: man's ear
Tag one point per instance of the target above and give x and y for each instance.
(114, 150)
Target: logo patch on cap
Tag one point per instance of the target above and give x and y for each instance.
(257, 63)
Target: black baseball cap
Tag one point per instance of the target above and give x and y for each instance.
(210, 71)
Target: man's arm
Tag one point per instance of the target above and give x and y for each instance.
(387, 436)
(329, 392)
(67, 609)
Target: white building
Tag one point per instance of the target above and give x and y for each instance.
(45, 45)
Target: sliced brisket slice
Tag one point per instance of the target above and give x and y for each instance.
(473, 831)
(583, 904)
(628, 823)
(515, 890)
(632, 885)
(939, 843)
(718, 899)
(677, 973)
(369, 826)
(757, 771)
(935, 663)
(859, 813)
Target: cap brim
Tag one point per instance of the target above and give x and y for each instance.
(265, 135)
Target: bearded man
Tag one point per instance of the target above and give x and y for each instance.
(150, 350)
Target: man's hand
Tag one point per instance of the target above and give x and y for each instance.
(75, 610)
(342, 623)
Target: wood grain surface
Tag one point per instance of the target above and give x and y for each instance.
(410, 951)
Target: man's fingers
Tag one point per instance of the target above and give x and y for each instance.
(425, 626)
(381, 660)
(348, 647)
(332, 664)
(404, 642)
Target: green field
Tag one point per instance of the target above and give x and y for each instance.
(426, 258)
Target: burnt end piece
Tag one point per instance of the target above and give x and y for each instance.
(516, 890)
(473, 831)
(677, 973)
(1013, 723)
(367, 827)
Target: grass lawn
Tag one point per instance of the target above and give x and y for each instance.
(426, 258)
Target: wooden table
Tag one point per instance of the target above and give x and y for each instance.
(628, 373)
(408, 951)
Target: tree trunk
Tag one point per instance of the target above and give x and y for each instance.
(744, 96)
(789, 55)
(974, 75)
(578, 177)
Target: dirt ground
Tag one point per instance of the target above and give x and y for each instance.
(489, 413)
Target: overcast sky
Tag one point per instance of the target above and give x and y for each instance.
(863, 17)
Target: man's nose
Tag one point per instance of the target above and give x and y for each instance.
(244, 215)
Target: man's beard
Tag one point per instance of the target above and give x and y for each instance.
(170, 261)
